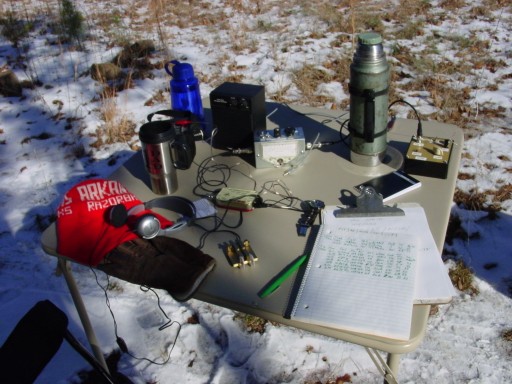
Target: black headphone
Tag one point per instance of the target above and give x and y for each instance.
(148, 226)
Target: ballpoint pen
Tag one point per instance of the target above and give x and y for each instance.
(282, 276)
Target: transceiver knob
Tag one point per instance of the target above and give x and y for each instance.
(289, 131)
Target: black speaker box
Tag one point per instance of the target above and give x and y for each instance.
(237, 111)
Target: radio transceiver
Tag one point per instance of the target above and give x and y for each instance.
(428, 156)
(278, 147)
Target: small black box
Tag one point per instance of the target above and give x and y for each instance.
(237, 111)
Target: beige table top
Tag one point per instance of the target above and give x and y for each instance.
(327, 175)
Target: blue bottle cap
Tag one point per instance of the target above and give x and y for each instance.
(182, 71)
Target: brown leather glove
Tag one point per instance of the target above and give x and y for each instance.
(162, 263)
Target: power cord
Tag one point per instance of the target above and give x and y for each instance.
(285, 196)
(328, 119)
(419, 129)
(120, 341)
(210, 179)
(218, 222)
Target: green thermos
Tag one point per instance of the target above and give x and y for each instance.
(369, 85)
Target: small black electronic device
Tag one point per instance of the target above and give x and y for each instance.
(148, 226)
(391, 185)
(237, 111)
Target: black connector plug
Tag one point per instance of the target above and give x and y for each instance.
(122, 344)
(258, 202)
(419, 130)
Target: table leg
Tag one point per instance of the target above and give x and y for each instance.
(65, 267)
(393, 363)
(389, 368)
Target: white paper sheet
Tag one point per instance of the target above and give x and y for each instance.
(365, 273)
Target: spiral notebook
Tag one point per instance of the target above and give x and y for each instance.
(361, 275)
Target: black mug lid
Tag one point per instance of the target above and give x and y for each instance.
(157, 132)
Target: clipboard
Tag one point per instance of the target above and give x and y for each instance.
(344, 284)
(369, 204)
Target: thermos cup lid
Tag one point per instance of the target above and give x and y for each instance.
(369, 38)
(156, 132)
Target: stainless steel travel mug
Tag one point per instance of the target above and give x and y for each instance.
(157, 138)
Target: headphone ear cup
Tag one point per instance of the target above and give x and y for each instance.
(148, 226)
(117, 215)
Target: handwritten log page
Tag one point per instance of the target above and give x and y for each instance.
(360, 277)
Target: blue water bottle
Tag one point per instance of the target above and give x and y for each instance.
(185, 94)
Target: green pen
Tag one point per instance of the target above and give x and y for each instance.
(282, 276)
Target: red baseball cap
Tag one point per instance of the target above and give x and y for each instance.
(84, 232)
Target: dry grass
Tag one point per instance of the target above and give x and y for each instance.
(308, 78)
(409, 9)
(437, 69)
(488, 201)
(429, 70)
(160, 96)
(507, 335)
(474, 201)
(251, 323)
(504, 193)
(117, 128)
(346, 378)
(437, 73)
(462, 278)
(348, 16)
(452, 5)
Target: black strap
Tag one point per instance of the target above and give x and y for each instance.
(369, 96)
(354, 133)
(366, 93)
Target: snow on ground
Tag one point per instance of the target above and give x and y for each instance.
(47, 144)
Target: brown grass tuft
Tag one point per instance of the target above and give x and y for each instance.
(473, 201)
(507, 335)
(462, 278)
(504, 193)
(116, 127)
(307, 79)
(251, 323)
